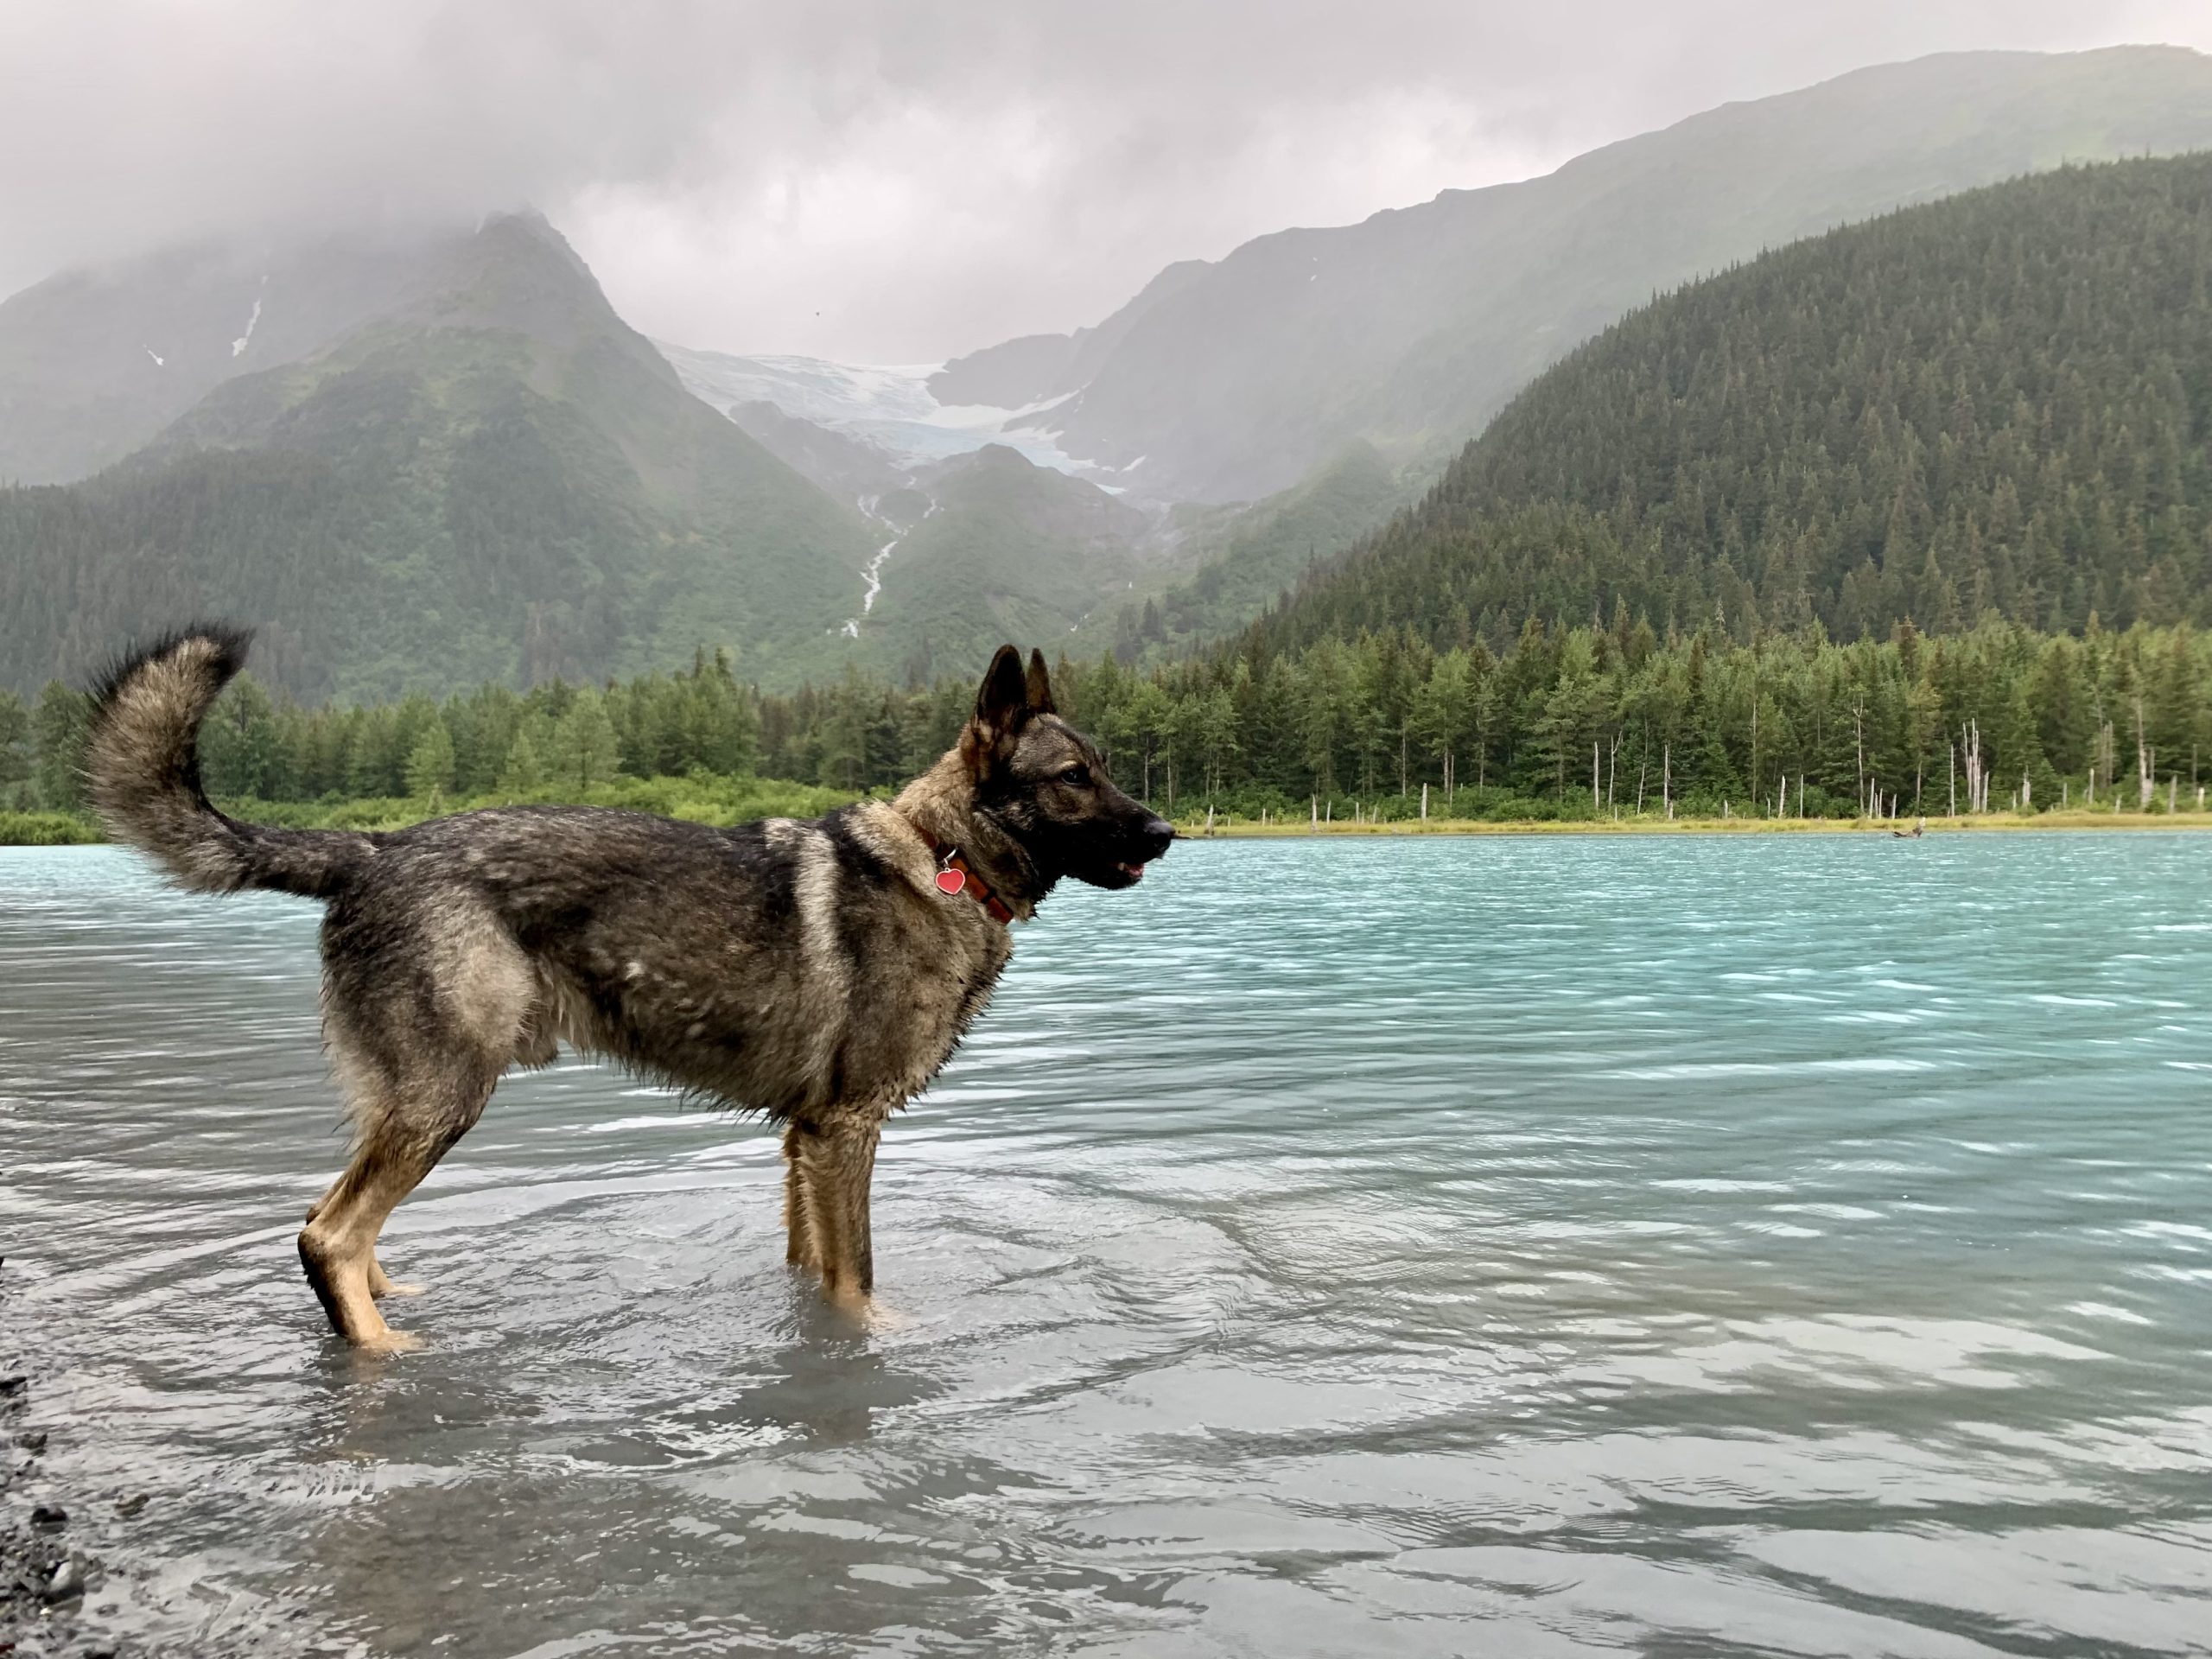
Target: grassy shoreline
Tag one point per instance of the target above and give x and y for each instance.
(1998, 822)
(729, 805)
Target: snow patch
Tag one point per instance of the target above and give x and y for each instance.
(889, 405)
(238, 345)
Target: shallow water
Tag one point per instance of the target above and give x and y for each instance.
(1510, 1246)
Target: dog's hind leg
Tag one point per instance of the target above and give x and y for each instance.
(420, 1054)
(401, 1143)
(834, 1166)
(798, 1245)
(380, 1284)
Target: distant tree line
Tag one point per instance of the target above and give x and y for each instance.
(1556, 722)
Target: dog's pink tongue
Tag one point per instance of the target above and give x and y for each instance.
(1136, 871)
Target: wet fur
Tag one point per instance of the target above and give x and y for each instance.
(810, 971)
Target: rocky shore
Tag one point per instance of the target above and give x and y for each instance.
(83, 1577)
(43, 1581)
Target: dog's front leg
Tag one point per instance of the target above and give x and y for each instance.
(831, 1167)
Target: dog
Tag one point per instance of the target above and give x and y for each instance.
(819, 973)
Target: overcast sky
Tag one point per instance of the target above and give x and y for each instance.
(885, 182)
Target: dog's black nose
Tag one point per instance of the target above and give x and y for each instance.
(1157, 835)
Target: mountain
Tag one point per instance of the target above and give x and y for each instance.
(1224, 566)
(849, 469)
(1997, 404)
(94, 363)
(1040, 369)
(491, 477)
(1007, 549)
(1230, 380)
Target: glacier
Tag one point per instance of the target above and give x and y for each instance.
(888, 405)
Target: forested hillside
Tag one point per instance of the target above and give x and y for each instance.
(499, 478)
(1233, 563)
(1996, 404)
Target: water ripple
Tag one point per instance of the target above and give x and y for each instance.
(1522, 1246)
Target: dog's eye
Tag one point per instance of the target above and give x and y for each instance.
(1075, 777)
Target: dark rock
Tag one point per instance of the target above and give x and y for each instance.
(50, 1514)
(10, 1387)
(32, 1441)
(127, 1507)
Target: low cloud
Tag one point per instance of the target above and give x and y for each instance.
(881, 182)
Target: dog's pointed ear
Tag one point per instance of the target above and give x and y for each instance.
(1005, 695)
(1040, 686)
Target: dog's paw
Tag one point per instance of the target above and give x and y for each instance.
(389, 1342)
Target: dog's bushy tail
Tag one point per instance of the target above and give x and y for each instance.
(143, 764)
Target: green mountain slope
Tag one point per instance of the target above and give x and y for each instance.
(2001, 402)
(1411, 329)
(1232, 564)
(1007, 550)
(495, 478)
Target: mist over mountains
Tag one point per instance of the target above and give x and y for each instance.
(423, 460)
(1229, 381)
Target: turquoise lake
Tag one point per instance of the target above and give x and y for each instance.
(1530, 1246)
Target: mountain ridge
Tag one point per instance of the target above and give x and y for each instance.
(1410, 328)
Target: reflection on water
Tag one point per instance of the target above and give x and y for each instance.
(1505, 1246)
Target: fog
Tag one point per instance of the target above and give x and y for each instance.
(878, 182)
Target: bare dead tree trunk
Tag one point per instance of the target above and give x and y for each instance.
(1977, 771)
(1859, 747)
(1755, 733)
(2144, 779)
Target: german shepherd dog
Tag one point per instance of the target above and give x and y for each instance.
(819, 973)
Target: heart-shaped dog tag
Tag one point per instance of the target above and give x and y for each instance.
(951, 880)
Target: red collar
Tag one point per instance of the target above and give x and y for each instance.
(951, 861)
